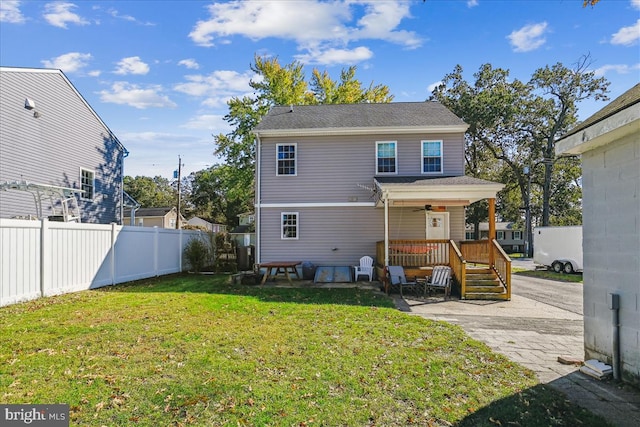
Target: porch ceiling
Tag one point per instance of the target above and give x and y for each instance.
(436, 191)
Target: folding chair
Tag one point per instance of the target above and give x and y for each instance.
(397, 280)
(440, 279)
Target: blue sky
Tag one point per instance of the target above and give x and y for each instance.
(159, 73)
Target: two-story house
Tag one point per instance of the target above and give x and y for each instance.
(55, 151)
(336, 182)
(508, 235)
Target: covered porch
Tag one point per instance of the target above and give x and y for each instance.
(480, 269)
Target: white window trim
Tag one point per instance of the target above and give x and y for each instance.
(295, 158)
(395, 158)
(282, 236)
(422, 157)
(519, 233)
(93, 184)
(500, 235)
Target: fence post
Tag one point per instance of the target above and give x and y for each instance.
(180, 251)
(155, 250)
(113, 253)
(45, 267)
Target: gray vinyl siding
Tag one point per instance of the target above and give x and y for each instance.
(354, 231)
(52, 148)
(329, 169)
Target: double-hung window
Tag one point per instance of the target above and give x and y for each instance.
(289, 225)
(517, 235)
(87, 184)
(431, 156)
(286, 159)
(386, 157)
(500, 235)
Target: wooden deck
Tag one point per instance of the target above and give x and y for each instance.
(481, 269)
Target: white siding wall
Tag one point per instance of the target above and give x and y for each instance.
(611, 243)
(39, 258)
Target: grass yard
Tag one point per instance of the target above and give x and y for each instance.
(196, 350)
(546, 274)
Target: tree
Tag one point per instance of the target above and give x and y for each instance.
(518, 124)
(279, 85)
(150, 192)
(565, 88)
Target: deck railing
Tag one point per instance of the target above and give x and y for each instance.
(417, 256)
(502, 266)
(475, 251)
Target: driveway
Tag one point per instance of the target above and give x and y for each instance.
(542, 322)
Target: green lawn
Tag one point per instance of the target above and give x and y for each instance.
(195, 350)
(546, 274)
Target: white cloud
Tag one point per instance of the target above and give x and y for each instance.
(635, 4)
(529, 37)
(132, 65)
(94, 73)
(133, 95)
(313, 25)
(472, 3)
(336, 56)
(114, 13)
(617, 68)
(217, 87)
(209, 122)
(10, 12)
(190, 64)
(627, 36)
(432, 86)
(69, 62)
(59, 14)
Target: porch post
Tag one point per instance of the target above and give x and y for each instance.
(386, 230)
(492, 229)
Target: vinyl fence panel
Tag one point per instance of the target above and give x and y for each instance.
(40, 258)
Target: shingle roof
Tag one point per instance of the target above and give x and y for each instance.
(336, 116)
(626, 100)
(150, 211)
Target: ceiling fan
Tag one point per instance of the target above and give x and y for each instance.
(425, 208)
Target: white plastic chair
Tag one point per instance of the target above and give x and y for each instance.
(365, 268)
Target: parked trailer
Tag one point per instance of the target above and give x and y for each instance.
(558, 248)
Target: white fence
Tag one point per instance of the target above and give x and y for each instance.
(41, 258)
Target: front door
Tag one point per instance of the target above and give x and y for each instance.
(437, 225)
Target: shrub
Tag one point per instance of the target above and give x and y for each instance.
(198, 253)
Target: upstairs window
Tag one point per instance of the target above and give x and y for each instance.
(87, 184)
(431, 156)
(499, 235)
(289, 225)
(517, 235)
(286, 159)
(386, 158)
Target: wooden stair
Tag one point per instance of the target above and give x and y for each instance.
(482, 283)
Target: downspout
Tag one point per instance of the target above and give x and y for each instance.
(125, 154)
(614, 306)
(258, 198)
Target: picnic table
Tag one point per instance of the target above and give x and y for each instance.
(281, 267)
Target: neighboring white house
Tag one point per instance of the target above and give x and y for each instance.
(508, 235)
(206, 225)
(609, 143)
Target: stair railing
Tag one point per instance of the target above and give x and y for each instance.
(458, 267)
(501, 265)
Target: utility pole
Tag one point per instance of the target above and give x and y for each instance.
(178, 226)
